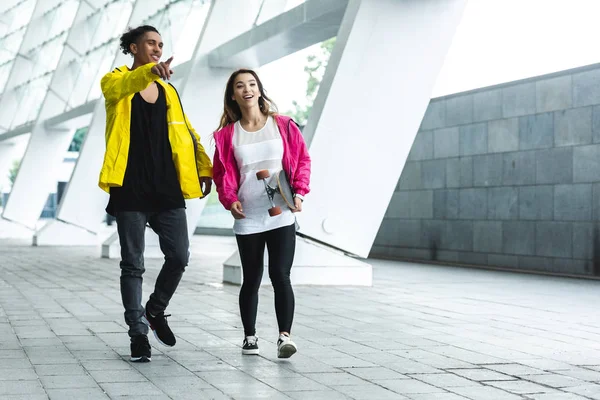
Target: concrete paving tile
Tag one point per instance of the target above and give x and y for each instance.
(60, 370)
(408, 386)
(555, 380)
(270, 372)
(14, 363)
(103, 365)
(209, 394)
(515, 370)
(555, 396)
(485, 393)
(368, 392)
(20, 387)
(68, 382)
(375, 373)
(12, 353)
(436, 396)
(336, 378)
(482, 374)
(127, 375)
(348, 362)
(583, 374)
(521, 387)
(131, 389)
(318, 395)
(173, 384)
(293, 384)
(108, 354)
(86, 393)
(444, 380)
(591, 390)
(24, 374)
(216, 377)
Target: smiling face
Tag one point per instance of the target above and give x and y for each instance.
(246, 91)
(148, 49)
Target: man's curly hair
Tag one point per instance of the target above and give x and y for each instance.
(133, 35)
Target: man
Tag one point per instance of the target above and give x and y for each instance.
(153, 161)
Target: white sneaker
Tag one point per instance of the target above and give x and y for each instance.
(285, 347)
(250, 345)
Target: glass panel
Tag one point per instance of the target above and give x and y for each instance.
(4, 72)
(31, 98)
(62, 17)
(190, 32)
(85, 78)
(9, 45)
(113, 22)
(19, 15)
(180, 25)
(45, 59)
(47, 6)
(102, 29)
(7, 5)
(63, 81)
(105, 65)
(266, 10)
(53, 23)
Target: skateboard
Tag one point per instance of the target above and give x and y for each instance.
(283, 188)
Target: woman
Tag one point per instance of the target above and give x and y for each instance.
(252, 137)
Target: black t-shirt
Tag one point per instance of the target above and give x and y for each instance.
(150, 183)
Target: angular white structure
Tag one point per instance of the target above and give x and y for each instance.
(385, 63)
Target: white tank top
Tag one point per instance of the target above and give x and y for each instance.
(253, 152)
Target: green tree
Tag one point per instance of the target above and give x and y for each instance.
(14, 170)
(78, 139)
(315, 68)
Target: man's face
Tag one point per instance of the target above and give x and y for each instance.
(148, 49)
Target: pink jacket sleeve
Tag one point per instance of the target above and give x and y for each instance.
(301, 179)
(227, 195)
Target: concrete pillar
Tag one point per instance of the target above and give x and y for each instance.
(374, 94)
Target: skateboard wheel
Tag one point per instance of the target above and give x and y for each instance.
(274, 211)
(262, 174)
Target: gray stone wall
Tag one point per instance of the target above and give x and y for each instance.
(506, 176)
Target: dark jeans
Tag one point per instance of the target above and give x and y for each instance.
(281, 245)
(171, 228)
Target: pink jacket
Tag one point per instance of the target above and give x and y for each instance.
(296, 161)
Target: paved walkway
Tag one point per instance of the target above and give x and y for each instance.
(422, 332)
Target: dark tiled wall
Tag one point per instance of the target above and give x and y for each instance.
(505, 176)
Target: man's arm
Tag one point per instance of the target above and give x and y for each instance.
(116, 86)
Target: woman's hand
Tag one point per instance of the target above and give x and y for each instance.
(237, 211)
(297, 204)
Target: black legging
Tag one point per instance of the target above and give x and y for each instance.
(281, 245)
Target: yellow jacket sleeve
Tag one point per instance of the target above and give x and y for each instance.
(203, 163)
(120, 84)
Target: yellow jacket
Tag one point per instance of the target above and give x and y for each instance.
(191, 161)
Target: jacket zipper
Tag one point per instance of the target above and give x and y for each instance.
(192, 136)
(289, 162)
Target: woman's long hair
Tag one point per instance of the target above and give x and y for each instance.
(231, 109)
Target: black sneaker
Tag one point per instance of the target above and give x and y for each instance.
(250, 346)
(140, 349)
(161, 329)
